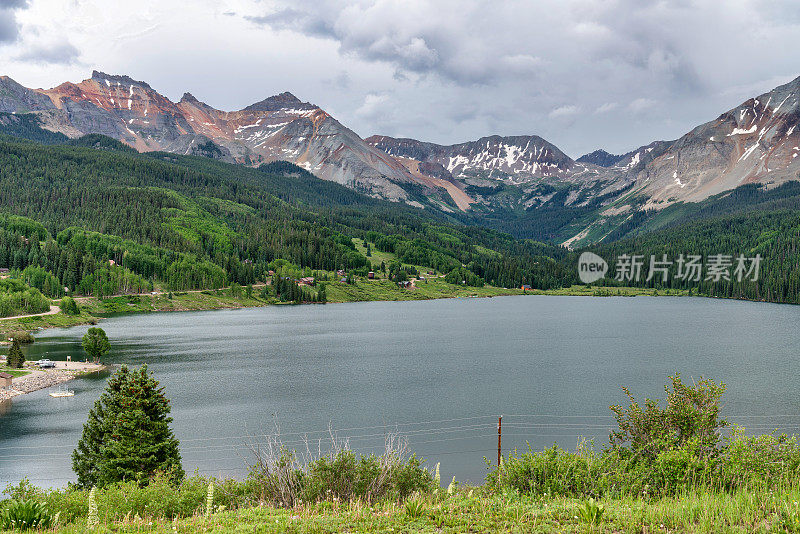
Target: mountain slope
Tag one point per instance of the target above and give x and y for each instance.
(521, 184)
(278, 128)
(600, 158)
(514, 160)
(756, 142)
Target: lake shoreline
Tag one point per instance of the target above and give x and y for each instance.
(230, 375)
(95, 310)
(39, 379)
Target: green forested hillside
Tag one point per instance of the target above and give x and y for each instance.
(96, 217)
(773, 235)
(102, 219)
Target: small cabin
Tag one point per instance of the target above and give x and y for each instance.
(404, 284)
(306, 281)
(270, 273)
(431, 273)
(340, 272)
(4, 270)
(5, 380)
(112, 263)
(371, 275)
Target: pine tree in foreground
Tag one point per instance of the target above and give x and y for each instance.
(127, 436)
(15, 358)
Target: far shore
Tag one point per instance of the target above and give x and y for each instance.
(38, 379)
(94, 310)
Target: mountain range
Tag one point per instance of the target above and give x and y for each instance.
(524, 179)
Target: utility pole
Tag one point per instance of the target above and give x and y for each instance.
(499, 439)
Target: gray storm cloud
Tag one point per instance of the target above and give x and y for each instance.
(584, 74)
(9, 28)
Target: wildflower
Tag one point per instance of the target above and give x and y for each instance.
(92, 520)
(210, 498)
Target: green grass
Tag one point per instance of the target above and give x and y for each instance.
(58, 320)
(180, 301)
(93, 309)
(592, 291)
(478, 510)
(434, 288)
(16, 373)
(385, 257)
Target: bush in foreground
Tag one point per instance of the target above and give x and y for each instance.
(285, 478)
(25, 515)
(659, 451)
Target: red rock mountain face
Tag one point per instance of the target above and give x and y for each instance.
(278, 128)
(758, 141)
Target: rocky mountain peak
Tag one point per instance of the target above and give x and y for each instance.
(281, 101)
(600, 157)
(117, 79)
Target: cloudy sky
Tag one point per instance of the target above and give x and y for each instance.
(584, 74)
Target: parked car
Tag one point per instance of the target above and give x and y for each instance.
(46, 364)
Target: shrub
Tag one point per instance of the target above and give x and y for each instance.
(69, 306)
(160, 499)
(346, 476)
(691, 414)
(553, 471)
(24, 515)
(669, 451)
(22, 336)
(285, 478)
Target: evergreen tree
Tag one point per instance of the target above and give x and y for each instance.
(264, 292)
(15, 356)
(95, 343)
(127, 435)
(322, 294)
(69, 306)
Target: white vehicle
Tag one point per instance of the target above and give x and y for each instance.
(46, 364)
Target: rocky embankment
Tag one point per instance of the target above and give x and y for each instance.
(41, 379)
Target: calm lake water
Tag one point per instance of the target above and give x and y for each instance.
(437, 371)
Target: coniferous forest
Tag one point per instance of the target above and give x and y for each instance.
(93, 217)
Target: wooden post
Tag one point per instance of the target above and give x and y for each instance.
(499, 439)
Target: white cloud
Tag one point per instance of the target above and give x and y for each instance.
(438, 70)
(641, 104)
(564, 111)
(373, 106)
(606, 108)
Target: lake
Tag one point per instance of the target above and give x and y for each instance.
(438, 372)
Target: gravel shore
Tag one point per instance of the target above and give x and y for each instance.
(41, 378)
